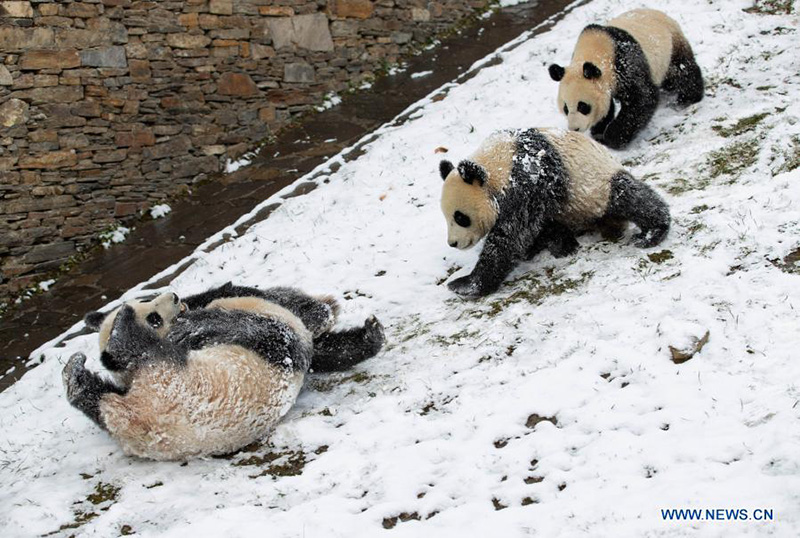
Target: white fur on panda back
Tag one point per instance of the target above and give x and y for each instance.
(224, 398)
(655, 33)
(590, 168)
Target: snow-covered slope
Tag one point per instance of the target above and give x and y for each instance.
(552, 408)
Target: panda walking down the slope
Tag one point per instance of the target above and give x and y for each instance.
(535, 189)
(213, 373)
(627, 60)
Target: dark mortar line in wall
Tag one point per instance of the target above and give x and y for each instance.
(157, 244)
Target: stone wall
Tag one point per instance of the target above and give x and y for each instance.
(108, 106)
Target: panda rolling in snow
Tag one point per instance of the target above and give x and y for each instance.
(627, 60)
(533, 189)
(213, 373)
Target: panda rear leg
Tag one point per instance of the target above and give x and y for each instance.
(335, 351)
(318, 314)
(85, 389)
(634, 201)
(684, 77)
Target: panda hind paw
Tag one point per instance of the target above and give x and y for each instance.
(373, 332)
(650, 238)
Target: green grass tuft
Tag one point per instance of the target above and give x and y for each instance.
(742, 126)
(733, 158)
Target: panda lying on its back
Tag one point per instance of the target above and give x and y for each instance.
(535, 189)
(628, 59)
(211, 374)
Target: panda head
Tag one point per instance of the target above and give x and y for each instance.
(467, 203)
(584, 96)
(132, 331)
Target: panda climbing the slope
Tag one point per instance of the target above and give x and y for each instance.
(626, 60)
(210, 374)
(536, 189)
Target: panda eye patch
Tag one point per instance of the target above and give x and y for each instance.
(584, 108)
(566, 110)
(155, 320)
(461, 219)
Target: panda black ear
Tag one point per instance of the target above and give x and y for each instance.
(471, 172)
(93, 320)
(445, 167)
(556, 72)
(591, 71)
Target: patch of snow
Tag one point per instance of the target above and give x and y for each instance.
(330, 100)
(397, 68)
(116, 235)
(45, 284)
(449, 423)
(232, 166)
(160, 210)
(421, 74)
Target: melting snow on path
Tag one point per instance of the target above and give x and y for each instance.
(552, 408)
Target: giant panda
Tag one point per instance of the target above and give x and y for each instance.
(528, 190)
(211, 374)
(627, 60)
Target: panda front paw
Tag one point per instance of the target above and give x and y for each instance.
(73, 375)
(469, 286)
(374, 333)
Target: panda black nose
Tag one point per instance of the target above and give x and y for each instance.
(576, 129)
(175, 298)
(454, 244)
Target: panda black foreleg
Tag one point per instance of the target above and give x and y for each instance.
(561, 240)
(555, 237)
(542, 242)
(504, 246)
(335, 351)
(637, 202)
(636, 109)
(85, 389)
(600, 127)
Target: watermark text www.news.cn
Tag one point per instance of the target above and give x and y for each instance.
(716, 514)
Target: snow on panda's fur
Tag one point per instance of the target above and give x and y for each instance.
(629, 59)
(533, 189)
(213, 373)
